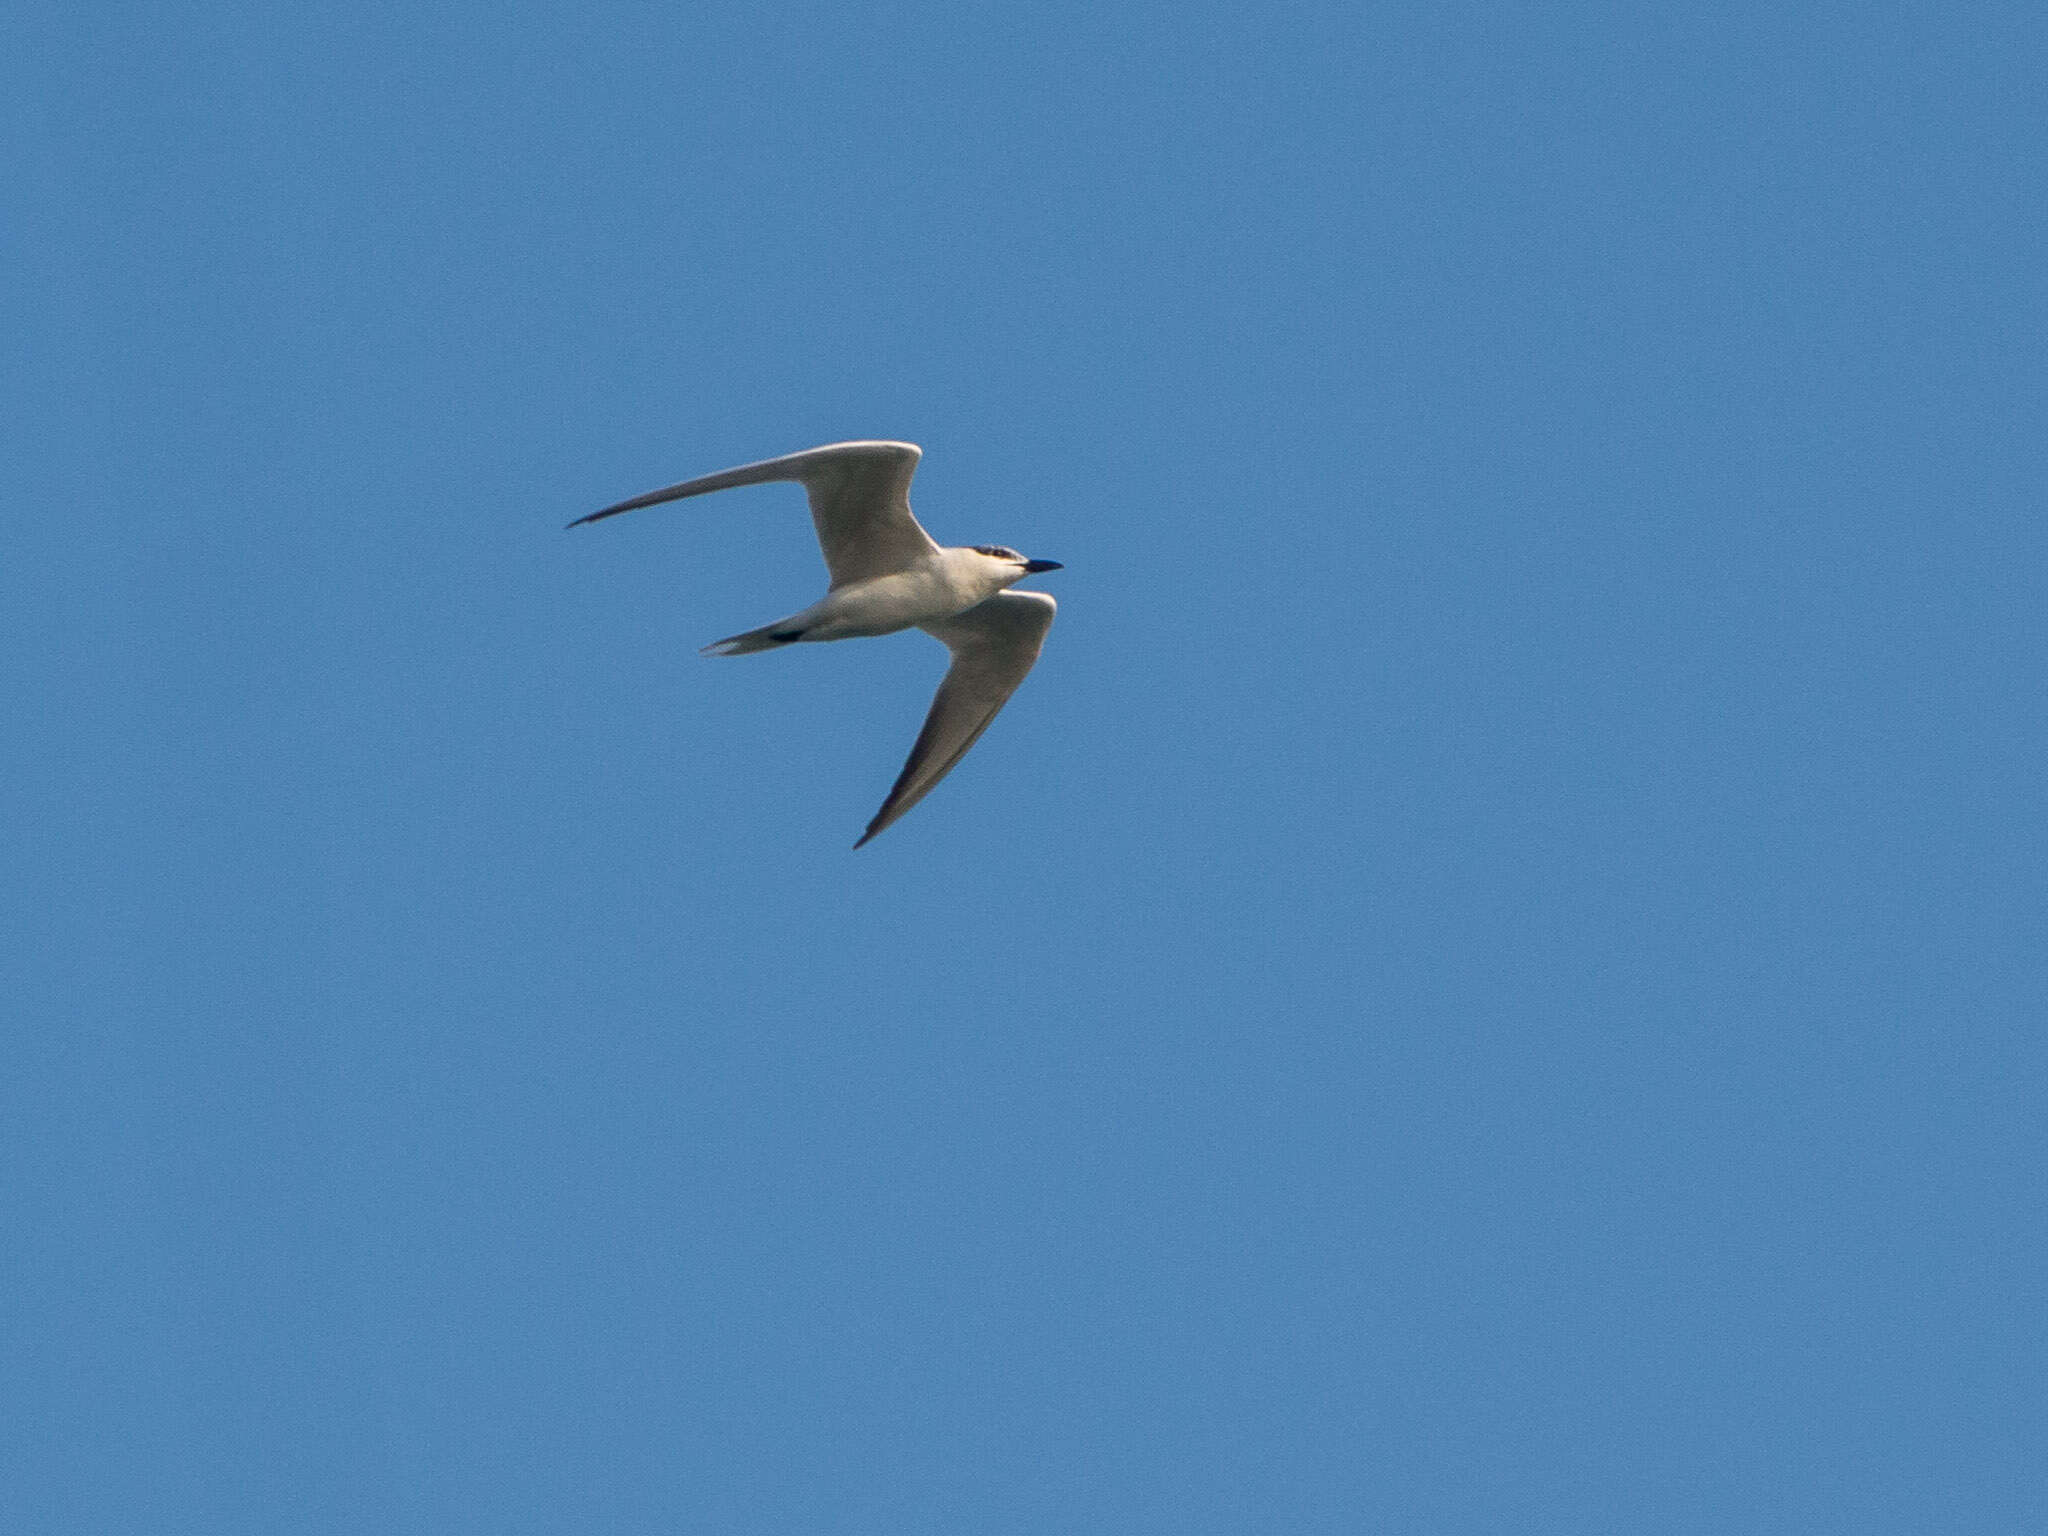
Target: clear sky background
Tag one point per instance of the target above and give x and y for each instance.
(1492, 980)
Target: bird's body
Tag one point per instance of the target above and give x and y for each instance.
(938, 586)
(888, 575)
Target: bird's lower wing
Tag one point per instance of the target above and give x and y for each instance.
(860, 503)
(994, 645)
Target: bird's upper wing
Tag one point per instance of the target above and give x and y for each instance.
(860, 502)
(993, 644)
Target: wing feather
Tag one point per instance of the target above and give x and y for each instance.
(860, 503)
(994, 645)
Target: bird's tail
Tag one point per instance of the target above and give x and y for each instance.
(767, 638)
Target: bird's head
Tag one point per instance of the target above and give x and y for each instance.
(1021, 566)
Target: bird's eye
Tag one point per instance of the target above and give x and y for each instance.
(997, 551)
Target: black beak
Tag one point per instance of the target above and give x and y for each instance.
(1033, 567)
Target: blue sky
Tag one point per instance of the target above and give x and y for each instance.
(1491, 980)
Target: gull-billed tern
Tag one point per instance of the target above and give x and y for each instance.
(887, 575)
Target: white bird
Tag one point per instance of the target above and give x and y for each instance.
(887, 575)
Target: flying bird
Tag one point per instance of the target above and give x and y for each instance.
(887, 574)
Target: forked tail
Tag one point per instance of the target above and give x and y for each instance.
(767, 638)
